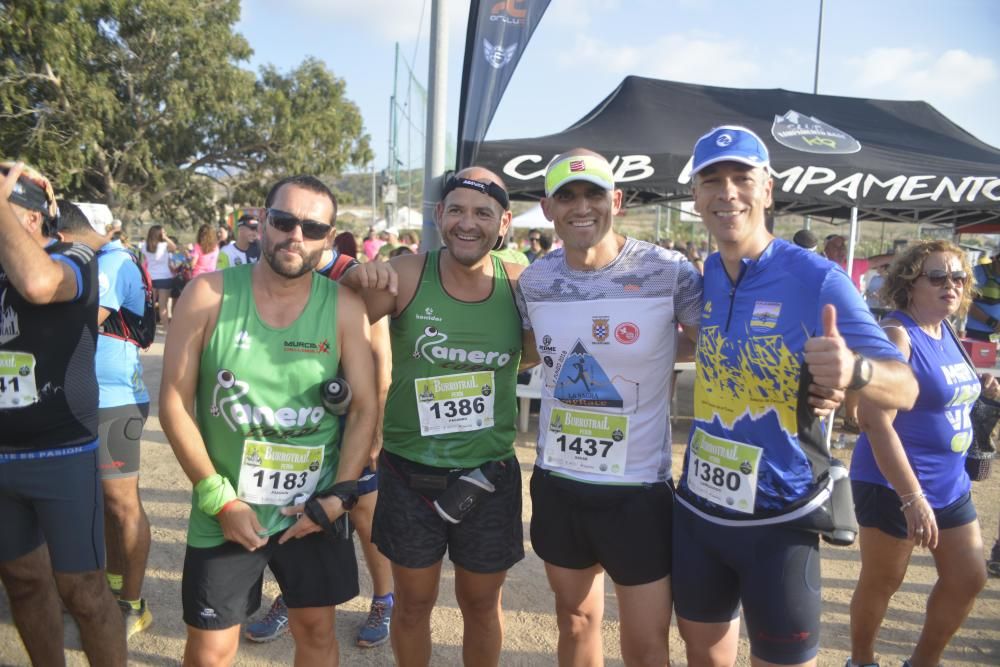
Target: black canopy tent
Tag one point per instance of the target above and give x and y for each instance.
(894, 161)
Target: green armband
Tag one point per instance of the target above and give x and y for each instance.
(212, 494)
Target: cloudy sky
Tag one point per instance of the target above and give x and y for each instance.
(945, 52)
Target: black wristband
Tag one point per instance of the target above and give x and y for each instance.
(992, 322)
(314, 510)
(347, 491)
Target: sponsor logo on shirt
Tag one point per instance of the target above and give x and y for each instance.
(627, 333)
(244, 416)
(765, 315)
(431, 346)
(600, 328)
(308, 347)
(428, 314)
(242, 341)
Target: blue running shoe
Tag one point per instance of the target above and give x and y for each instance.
(272, 625)
(375, 630)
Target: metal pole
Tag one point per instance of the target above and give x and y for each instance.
(658, 211)
(854, 236)
(437, 85)
(819, 42)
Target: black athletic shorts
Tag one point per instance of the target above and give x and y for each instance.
(120, 432)
(58, 501)
(221, 586)
(163, 283)
(877, 506)
(624, 529)
(408, 530)
(774, 570)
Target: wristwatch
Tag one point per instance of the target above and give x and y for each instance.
(862, 374)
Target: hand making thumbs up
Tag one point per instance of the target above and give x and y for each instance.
(829, 360)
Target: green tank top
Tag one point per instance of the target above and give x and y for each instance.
(259, 406)
(452, 400)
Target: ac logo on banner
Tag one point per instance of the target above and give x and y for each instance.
(509, 11)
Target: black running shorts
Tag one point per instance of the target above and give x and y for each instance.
(877, 506)
(773, 570)
(624, 529)
(408, 530)
(221, 586)
(58, 501)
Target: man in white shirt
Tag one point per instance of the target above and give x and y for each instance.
(236, 253)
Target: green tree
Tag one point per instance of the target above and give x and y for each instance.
(143, 105)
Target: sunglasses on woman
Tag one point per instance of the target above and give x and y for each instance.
(937, 277)
(286, 222)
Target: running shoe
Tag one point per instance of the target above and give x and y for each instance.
(993, 564)
(851, 664)
(136, 620)
(375, 630)
(272, 625)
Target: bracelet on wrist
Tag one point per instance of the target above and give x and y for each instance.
(912, 501)
(227, 506)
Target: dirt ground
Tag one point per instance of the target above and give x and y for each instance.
(528, 605)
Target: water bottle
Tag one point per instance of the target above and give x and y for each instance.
(841, 507)
(458, 500)
(336, 396)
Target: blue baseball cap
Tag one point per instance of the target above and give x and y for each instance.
(729, 143)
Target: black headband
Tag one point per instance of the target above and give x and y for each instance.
(489, 189)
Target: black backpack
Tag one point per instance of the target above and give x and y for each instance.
(124, 324)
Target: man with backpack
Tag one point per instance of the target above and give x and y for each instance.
(126, 322)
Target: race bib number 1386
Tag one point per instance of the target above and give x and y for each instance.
(455, 403)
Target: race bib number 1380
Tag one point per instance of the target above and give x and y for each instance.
(723, 471)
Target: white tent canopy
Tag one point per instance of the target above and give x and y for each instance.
(533, 218)
(405, 218)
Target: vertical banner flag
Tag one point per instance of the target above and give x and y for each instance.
(498, 32)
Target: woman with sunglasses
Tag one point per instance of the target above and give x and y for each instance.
(908, 469)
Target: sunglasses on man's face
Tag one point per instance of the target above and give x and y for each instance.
(937, 277)
(286, 222)
(534, 238)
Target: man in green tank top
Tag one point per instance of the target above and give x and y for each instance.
(449, 417)
(242, 407)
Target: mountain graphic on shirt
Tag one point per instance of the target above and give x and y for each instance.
(583, 382)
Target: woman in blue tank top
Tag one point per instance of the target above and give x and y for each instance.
(907, 471)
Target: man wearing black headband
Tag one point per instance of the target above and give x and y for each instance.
(49, 487)
(450, 413)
